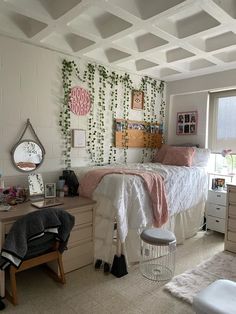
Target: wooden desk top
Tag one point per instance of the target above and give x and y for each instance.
(20, 210)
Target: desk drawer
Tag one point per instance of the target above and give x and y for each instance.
(217, 224)
(83, 218)
(80, 234)
(216, 210)
(8, 226)
(78, 256)
(217, 197)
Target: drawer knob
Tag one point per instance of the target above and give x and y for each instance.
(217, 220)
(218, 195)
(218, 208)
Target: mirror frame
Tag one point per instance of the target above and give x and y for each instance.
(14, 149)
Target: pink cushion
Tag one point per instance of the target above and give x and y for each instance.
(160, 154)
(179, 156)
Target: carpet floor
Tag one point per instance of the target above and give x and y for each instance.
(91, 292)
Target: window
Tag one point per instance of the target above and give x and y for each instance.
(222, 130)
(222, 121)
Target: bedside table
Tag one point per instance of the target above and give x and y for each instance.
(216, 210)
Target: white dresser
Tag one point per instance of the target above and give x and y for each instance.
(230, 230)
(216, 210)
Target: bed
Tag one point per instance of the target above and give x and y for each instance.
(123, 198)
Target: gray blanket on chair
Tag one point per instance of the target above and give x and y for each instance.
(35, 225)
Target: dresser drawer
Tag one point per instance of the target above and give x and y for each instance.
(231, 236)
(232, 224)
(217, 197)
(232, 197)
(216, 210)
(80, 234)
(217, 224)
(232, 210)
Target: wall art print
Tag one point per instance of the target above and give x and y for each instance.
(186, 123)
(137, 99)
(78, 138)
(79, 101)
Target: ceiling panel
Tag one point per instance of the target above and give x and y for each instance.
(169, 40)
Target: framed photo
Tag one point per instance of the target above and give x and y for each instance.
(219, 183)
(186, 123)
(50, 190)
(137, 99)
(78, 138)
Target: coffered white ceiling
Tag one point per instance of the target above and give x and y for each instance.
(166, 39)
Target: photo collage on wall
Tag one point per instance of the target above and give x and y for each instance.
(186, 123)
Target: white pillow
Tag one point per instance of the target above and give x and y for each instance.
(201, 157)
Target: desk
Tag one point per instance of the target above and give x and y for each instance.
(80, 244)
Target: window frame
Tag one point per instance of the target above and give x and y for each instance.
(213, 114)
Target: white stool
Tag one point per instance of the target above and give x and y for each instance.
(158, 248)
(218, 298)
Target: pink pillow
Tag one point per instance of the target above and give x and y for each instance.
(160, 154)
(179, 156)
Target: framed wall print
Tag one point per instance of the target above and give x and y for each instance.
(186, 123)
(137, 99)
(50, 190)
(78, 138)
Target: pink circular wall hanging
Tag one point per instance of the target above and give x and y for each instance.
(79, 101)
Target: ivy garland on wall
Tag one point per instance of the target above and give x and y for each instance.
(106, 89)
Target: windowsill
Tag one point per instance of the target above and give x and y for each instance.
(222, 174)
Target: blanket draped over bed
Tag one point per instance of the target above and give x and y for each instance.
(154, 184)
(123, 196)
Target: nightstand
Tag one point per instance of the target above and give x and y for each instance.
(216, 210)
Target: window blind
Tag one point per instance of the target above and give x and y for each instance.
(222, 121)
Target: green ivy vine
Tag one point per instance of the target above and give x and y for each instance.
(107, 88)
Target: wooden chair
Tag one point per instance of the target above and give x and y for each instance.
(40, 251)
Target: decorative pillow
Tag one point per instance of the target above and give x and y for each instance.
(201, 157)
(160, 154)
(179, 156)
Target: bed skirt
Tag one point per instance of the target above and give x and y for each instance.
(184, 225)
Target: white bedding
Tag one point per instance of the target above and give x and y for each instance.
(124, 197)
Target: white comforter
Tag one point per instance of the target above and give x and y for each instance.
(124, 197)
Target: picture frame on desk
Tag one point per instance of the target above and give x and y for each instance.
(218, 184)
(50, 190)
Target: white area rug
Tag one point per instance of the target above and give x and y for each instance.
(188, 284)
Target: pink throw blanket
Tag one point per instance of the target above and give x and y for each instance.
(153, 182)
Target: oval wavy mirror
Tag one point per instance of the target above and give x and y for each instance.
(27, 155)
